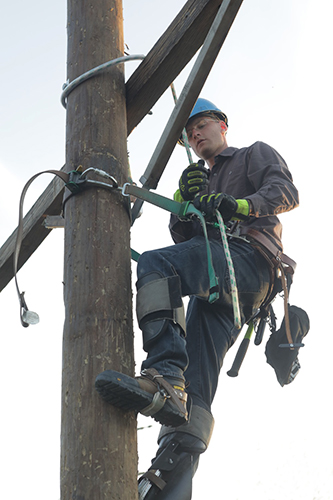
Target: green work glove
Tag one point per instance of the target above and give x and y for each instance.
(193, 180)
(227, 205)
(243, 210)
(178, 197)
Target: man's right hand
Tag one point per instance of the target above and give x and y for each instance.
(193, 180)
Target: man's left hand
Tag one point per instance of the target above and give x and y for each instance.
(227, 205)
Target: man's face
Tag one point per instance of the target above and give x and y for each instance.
(206, 136)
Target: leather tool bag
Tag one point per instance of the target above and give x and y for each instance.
(279, 355)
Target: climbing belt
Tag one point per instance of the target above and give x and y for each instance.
(76, 181)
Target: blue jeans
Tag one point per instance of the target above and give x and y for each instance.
(210, 327)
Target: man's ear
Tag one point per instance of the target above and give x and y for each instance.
(224, 128)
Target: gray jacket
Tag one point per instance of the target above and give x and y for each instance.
(256, 173)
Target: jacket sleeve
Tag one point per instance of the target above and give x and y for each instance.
(274, 190)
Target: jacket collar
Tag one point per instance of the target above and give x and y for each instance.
(229, 151)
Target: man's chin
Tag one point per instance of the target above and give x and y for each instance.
(201, 149)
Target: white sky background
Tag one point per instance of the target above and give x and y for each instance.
(273, 79)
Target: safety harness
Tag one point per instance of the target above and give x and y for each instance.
(281, 266)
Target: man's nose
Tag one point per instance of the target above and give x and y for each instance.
(195, 132)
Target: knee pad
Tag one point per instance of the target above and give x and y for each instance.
(195, 434)
(159, 301)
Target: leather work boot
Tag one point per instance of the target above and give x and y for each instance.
(150, 394)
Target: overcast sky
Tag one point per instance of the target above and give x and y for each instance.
(273, 79)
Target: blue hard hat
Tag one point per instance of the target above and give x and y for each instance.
(204, 107)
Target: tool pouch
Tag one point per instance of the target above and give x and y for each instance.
(279, 353)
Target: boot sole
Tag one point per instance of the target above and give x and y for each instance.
(124, 392)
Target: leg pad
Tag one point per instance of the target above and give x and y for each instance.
(172, 470)
(159, 300)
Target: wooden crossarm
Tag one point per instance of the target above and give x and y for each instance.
(165, 61)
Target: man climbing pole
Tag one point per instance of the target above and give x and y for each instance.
(249, 187)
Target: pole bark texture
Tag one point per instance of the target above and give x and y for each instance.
(98, 441)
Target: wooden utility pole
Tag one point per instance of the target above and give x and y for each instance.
(98, 441)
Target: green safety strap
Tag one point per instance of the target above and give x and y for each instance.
(135, 255)
(213, 279)
(182, 210)
(232, 275)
